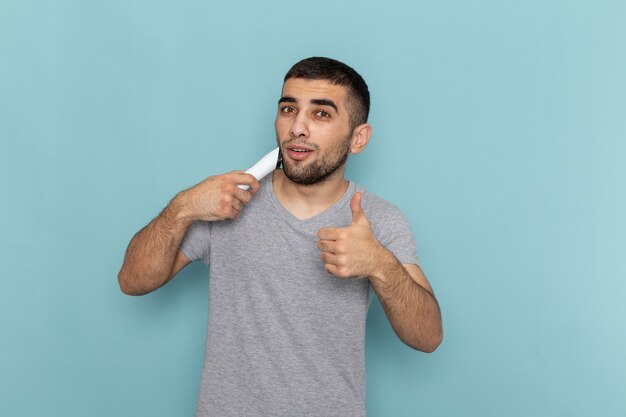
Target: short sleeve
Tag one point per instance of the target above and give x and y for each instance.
(196, 243)
(393, 231)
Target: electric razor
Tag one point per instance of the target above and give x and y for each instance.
(271, 161)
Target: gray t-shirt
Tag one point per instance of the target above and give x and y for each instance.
(285, 338)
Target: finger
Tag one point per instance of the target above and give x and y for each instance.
(326, 246)
(358, 215)
(328, 233)
(241, 178)
(332, 269)
(243, 195)
(329, 258)
(237, 205)
(232, 212)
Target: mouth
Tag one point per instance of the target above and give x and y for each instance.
(299, 152)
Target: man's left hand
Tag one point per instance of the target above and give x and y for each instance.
(353, 251)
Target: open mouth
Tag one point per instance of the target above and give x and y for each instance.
(299, 153)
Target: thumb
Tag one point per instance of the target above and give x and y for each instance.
(358, 215)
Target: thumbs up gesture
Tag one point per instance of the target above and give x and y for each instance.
(350, 251)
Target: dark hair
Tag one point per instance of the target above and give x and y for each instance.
(338, 73)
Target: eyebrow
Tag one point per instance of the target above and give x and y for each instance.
(325, 102)
(318, 101)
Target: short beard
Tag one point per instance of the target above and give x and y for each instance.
(322, 168)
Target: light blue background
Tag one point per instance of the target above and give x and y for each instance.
(498, 130)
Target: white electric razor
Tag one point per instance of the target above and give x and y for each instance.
(267, 164)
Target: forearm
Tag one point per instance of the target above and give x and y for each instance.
(411, 309)
(151, 253)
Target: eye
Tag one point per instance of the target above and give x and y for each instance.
(287, 109)
(323, 114)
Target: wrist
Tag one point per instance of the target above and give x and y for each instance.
(179, 209)
(383, 262)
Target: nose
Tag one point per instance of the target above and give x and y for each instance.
(300, 126)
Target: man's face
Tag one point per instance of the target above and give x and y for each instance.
(312, 129)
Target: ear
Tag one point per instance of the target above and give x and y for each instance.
(360, 137)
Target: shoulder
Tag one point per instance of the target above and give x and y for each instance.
(386, 219)
(376, 207)
(260, 202)
(391, 227)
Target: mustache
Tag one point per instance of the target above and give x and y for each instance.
(297, 141)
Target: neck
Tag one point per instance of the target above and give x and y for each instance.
(306, 201)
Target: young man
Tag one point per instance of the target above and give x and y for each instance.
(294, 261)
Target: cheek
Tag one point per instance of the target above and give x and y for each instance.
(327, 134)
(282, 127)
(341, 142)
(277, 122)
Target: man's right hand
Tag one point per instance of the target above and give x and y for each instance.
(153, 256)
(219, 197)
